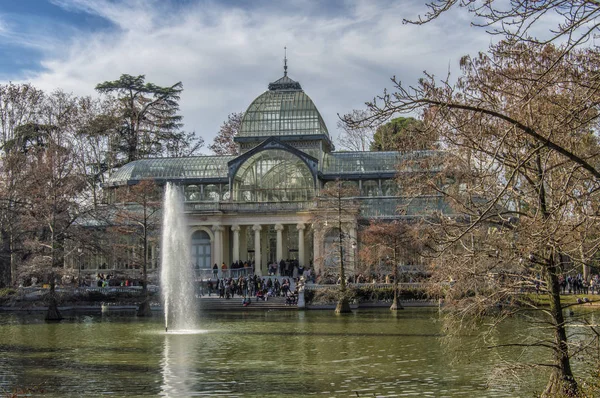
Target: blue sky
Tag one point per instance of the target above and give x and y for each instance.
(226, 52)
(24, 21)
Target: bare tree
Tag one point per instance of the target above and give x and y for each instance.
(519, 166)
(223, 143)
(355, 138)
(50, 189)
(95, 129)
(19, 105)
(337, 207)
(139, 218)
(527, 21)
(390, 242)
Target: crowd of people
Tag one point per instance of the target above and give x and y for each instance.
(577, 284)
(248, 286)
(288, 268)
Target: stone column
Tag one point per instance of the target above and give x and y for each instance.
(279, 252)
(264, 247)
(301, 260)
(218, 245)
(257, 260)
(236, 243)
(243, 243)
(285, 254)
(318, 247)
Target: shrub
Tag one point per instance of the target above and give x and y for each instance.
(7, 292)
(362, 294)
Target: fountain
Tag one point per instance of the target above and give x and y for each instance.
(177, 275)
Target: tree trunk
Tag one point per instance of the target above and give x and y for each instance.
(144, 308)
(13, 261)
(561, 380)
(343, 306)
(53, 314)
(396, 303)
(5, 256)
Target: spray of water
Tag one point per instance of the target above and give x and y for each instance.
(176, 275)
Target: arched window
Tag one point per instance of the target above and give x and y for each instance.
(273, 176)
(192, 193)
(211, 192)
(201, 250)
(225, 192)
(370, 188)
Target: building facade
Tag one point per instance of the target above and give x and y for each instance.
(263, 205)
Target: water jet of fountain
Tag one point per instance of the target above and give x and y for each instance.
(176, 274)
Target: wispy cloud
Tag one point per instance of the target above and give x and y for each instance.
(225, 55)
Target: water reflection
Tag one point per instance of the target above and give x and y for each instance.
(177, 365)
(256, 354)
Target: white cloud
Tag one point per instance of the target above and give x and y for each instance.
(226, 57)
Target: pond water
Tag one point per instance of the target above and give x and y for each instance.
(254, 353)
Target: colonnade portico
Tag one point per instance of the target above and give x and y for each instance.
(273, 199)
(261, 242)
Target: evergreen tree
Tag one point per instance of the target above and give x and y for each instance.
(403, 134)
(148, 120)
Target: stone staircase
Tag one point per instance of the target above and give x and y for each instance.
(235, 304)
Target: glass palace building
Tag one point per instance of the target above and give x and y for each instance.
(263, 205)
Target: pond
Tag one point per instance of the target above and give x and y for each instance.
(254, 353)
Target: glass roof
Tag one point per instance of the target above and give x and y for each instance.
(280, 112)
(215, 167)
(172, 168)
(274, 176)
(368, 162)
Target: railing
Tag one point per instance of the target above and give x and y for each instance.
(209, 273)
(35, 291)
(253, 207)
(114, 289)
(405, 286)
(41, 290)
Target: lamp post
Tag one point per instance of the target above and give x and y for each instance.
(354, 247)
(79, 251)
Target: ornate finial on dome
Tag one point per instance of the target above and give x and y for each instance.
(284, 61)
(285, 83)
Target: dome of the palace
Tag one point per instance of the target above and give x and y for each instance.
(283, 110)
